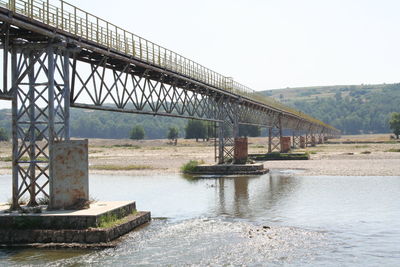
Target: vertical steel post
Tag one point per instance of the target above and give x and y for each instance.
(67, 101)
(220, 142)
(14, 108)
(235, 132)
(32, 130)
(269, 139)
(293, 140)
(280, 134)
(50, 77)
(5, 59)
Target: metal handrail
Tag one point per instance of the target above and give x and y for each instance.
(73, 20)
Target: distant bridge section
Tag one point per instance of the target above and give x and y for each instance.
(57, 56)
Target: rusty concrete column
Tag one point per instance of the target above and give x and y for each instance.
(240, 150)
(285, 144)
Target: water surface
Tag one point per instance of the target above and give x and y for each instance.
(273, 219)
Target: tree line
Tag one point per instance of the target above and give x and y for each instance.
(113, 125)
(356, 112)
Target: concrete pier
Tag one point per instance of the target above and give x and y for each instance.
(230, 169)
(102, 222)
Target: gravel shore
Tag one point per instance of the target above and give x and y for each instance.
(374, 164)
(158, 157)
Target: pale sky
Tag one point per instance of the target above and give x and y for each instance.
(273, 43)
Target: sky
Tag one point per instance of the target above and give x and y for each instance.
(268, 44)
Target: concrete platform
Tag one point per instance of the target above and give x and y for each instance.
(231, 169)
(81, 226)
(66, 219)
(279, 156)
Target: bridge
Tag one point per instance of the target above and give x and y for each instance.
(57, 56)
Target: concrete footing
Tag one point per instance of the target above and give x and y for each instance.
(279, 156)
(101, 223)
(230, 169)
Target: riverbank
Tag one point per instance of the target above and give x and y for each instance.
(360, 155)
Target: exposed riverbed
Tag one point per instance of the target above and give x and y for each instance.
(278, 218)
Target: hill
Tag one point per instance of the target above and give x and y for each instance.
(353, 109)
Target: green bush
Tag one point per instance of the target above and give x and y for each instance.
(393, 150)
(173, 134)
(137, 132)
(190, 166)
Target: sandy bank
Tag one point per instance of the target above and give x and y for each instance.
(158, 157)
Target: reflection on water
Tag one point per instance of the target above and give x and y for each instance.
(271, 219)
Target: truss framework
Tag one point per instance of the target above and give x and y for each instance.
(274, 135)
(40, 111)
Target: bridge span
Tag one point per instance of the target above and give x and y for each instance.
(57, 56)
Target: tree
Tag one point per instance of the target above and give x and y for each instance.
(137, 132)
(3, 135)
(173, 134)
(249, 130)
(196, 129)
(394, 123)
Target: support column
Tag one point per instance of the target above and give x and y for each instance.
(270, 140)
(275, 135)
(228, 129)
(303, 143)
(51, 133)
(40, 111)
(15, 145)
(32, 130)
(313, 140)
(321, 137)
(296, 139)
(220, 143)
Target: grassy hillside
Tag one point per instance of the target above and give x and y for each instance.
(353, 109)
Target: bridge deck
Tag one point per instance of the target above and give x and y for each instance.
(72, 22)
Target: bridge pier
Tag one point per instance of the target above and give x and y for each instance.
(228, 130)
(321, 138)
(40, 116)
(310, 139)
(275, 135)
(296, 139)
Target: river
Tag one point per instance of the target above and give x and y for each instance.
(281, 218)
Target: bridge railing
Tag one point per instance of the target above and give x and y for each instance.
(73, 20)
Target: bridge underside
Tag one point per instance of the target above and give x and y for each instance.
(45, 74)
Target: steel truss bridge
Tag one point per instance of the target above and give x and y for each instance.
(57, 56)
